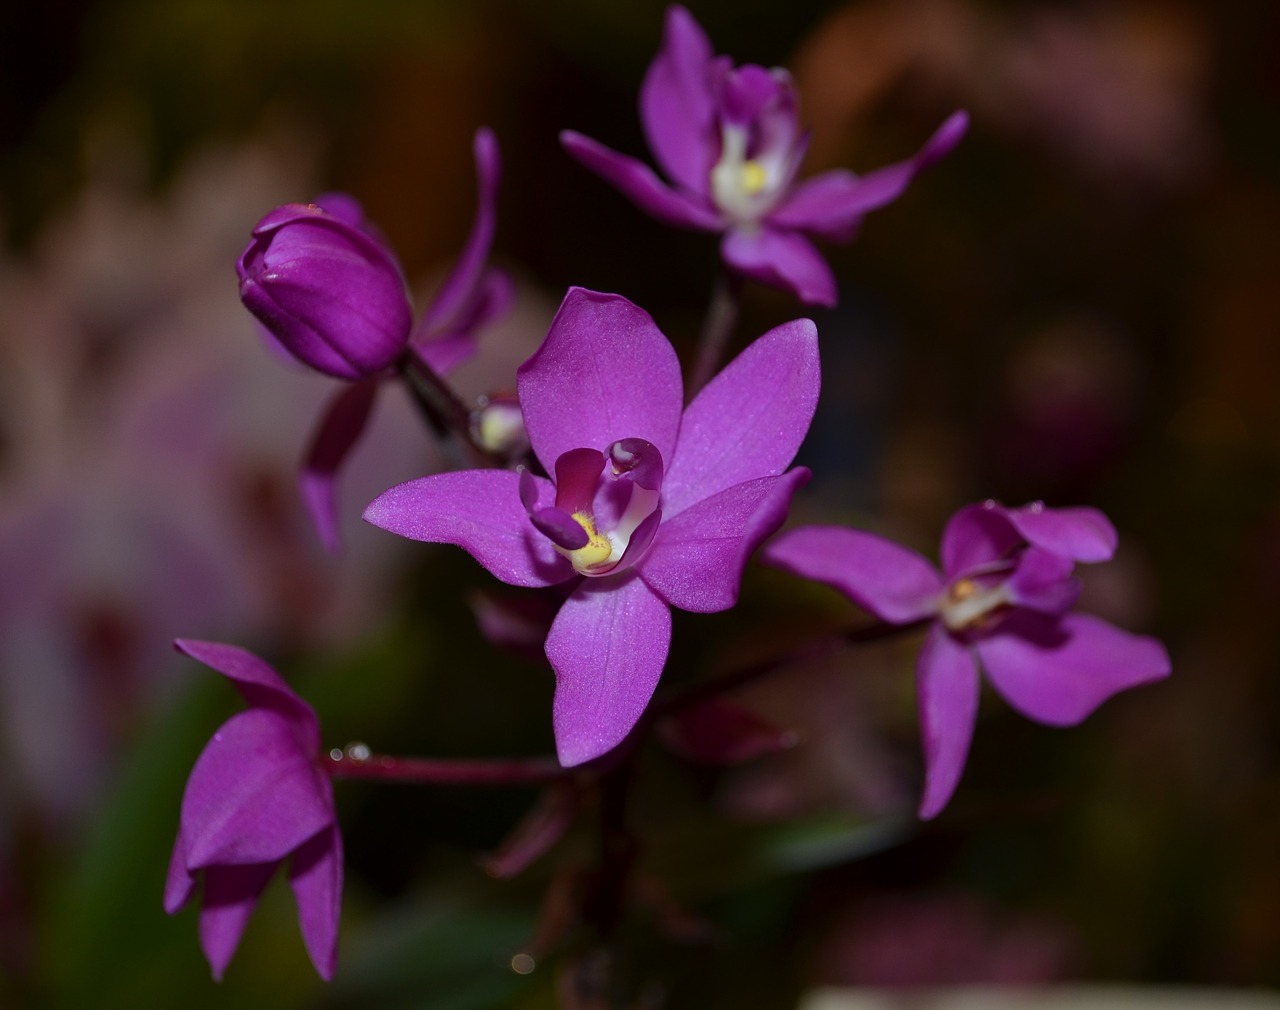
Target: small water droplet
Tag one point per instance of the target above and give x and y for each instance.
(358, 751)
(990, 503)
(335, 754)
(522, 964)
(1036, 506)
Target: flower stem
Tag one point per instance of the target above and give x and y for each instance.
(722, 314)
(356, 763)
(448, 416)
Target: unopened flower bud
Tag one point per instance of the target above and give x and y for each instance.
(327, 290)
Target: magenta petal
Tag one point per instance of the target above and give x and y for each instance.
(180, 883)
(947, 682)
(254, 794)
(605, 372)
(831, 204)
(1042, 581)
(1082, 534)
(696, 560)
(479, 511)
(230, 895)
(639, 183)
(316, 878)
(608, 646)
(677, 108)
(976, 536)
(343, 423)
(1058, 670)
(892, 582)
(749, 420)
(257, 683)
(781, 259)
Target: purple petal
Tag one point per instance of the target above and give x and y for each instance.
(463, 283)
(892, 582)
(781, 259)
(446, 350)
(1082, 534)
(340, 428)
(749, 420)
(316, 877)
(1042, 581)
(254, 794)
(677, 107)
(696, 559)
(480, 511)
(180, 882)
(230, 895)
(831, 204)
(976, 536)
(257, 683)
(608, 646)
(638, 183)
(577, 474)
(947, 682)
(1058, 670)
(604, 373)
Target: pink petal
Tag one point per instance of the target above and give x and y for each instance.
(254, 794)
(749, 420)
(479, 511)
(892, 582)
(677, 107)
(975, 536)
(608, 646)
(638, 183)
(781, 259)
(696, 560)
(230, 895)
(316, 878)
(832, 204)
(1058, 670)
(257, 682)
(340, 428)
(180, 882)
(1042, 581)
(1082, 534)
(947, 682)
(604, 373)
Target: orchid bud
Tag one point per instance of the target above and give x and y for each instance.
(329, 291)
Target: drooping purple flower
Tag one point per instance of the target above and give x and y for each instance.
(729, 140)
(649, 505)
(1002, 600)
(257, 796)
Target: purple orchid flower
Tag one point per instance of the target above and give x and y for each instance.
(729, 140)
(256, 797)
(649, 507)
(1003, 600)
(472, 295)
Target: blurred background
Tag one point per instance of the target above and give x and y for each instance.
(1079, 306)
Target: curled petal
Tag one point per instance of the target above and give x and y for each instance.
(975, 537)
(343, 423)
(1058, 670)
(750, 419)
(892, 582)
(1082, 534)
(230, 894)
(257, 683)
(696, 560)
(577, 473)
(608, 646)
(316, 878)
(781, 259)
(480, 511)
(947, 682)
(639, 183)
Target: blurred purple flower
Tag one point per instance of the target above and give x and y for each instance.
(729, 140)
(650, 507)
(256, 797)
(1002, 598)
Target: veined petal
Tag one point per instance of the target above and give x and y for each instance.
(230, 895)
(782, 259)
(677, 108)
(257, 683)
(1082, 533)
(608, 646)
(1058, 670)
(254, 795)
(890, 581)
(340, 428)
(696, 560)
(947, 682)
(639, 183)
(749, 420)
(975, 536)
(479, 511)
(605, 372)
(462, 284)
(316, 878)
(831, 204)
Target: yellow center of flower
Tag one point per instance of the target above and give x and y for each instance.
(754, 177)
(598, 550)
(966, 606)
